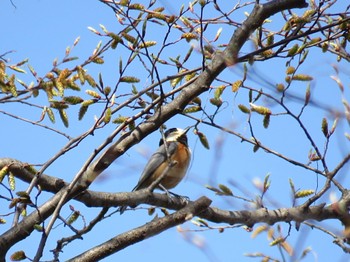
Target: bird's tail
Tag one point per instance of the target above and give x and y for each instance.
(121, 209)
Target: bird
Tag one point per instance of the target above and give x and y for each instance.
(173, 154)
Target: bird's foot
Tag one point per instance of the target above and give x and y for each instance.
(183, 199)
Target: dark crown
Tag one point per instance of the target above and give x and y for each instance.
(182, 139)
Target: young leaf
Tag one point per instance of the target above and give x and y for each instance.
(76, 41)
(291, 184)
(216, 101)
(90, 80)
(58, 104)
(217, 191)
(197, 101)
(292, 51)
(218, 33)
(244, 109)
(259, 230)
(236, 85)
(98, 60)
(128, 37)
(325, 127)
(50, 114)
(280, 87)
(175, 81)
(304, 193)
(307, 95)
(93, 94)
(94, 30)
(333, 126)
(225, 190)
(81, 74)
(107, 90)
(11, 181)
(188, 54)
(302, 77)
(120, 120)
(64, 117)
(192, 109)
(73, 100)
(38, 228)
(17, 69)
(4, 170)
(218, 91)
(18, 256)
(203, 139)
(260, 109)
(266, 120)
(270, 39)
(290, 70)
(83, 109)
(129, 79)
(267, 183)
(277, 241)
(104, 29)
(108, 114)
(147, 44)
(136, 6)
(189, 36)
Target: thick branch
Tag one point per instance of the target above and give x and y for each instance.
(103, 199)
(247, 217)
(150, 229)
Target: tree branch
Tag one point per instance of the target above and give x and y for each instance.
(150, 229)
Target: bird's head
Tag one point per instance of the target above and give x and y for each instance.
(175, 135)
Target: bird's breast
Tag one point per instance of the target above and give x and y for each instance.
(181, 159)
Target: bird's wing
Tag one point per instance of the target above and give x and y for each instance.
(159, 157)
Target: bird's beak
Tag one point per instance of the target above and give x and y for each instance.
(187, 129)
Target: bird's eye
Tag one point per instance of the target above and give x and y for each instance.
(169, 131)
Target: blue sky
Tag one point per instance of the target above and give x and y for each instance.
(41, 31)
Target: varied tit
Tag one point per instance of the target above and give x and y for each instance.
(173, 154)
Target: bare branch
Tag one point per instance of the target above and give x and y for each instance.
(150, 229)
